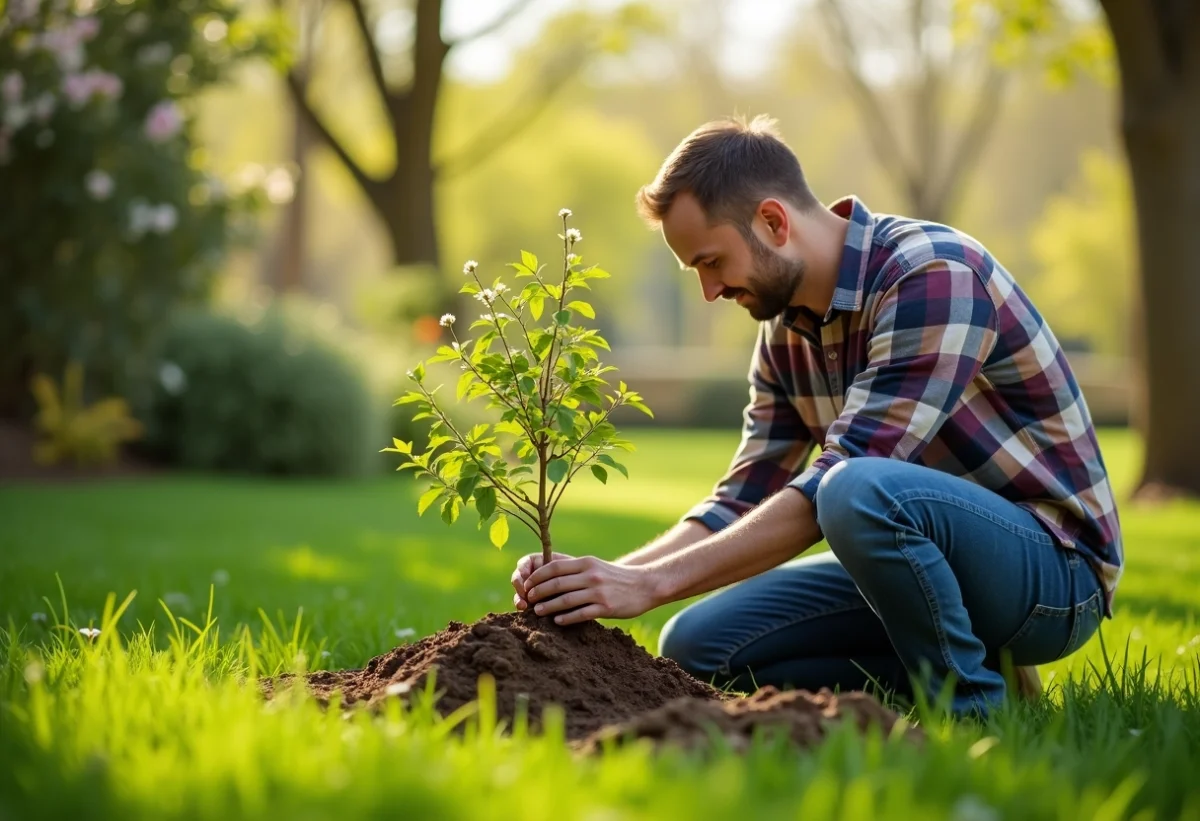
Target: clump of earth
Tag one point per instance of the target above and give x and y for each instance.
(607, 685)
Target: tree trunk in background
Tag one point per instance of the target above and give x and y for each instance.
(292, 248)
(1158, 52)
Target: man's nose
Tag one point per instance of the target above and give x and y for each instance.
(712, 287)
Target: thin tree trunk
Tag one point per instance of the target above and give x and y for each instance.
(1158, 50)
(292, 251)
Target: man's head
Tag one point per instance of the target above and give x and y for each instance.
(726, 199)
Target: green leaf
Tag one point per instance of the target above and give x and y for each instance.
(535, 307)
(583, 308)
(466, 486)
(562, 317)
(642, 408)
(401, 446)
(485, 501)
(565, 419)
(556, 471)
(498, 532)
(528, 385)
(521, 270)
(600, 473)
(612, 463)
(464, 382)
(428, 498)
(409, 398)
(469, 288)
(418, 373)
(554, 290)
(508, 427)
(450, 510)
(529, 261)
(596, 273)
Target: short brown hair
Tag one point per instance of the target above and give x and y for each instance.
(729, 166)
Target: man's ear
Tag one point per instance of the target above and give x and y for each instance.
(775, 217)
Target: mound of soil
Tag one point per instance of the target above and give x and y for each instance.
(598, 675)
(608, 686)
(805, 718)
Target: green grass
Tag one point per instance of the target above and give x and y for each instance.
(153, 720)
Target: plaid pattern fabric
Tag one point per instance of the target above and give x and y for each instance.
(929, 353)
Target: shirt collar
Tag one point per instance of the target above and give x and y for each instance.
(852, 270)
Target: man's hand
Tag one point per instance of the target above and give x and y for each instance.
(525, 567)
(589, 588)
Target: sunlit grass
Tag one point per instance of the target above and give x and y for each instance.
(152, 719)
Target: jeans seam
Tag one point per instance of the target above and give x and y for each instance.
(934, 613)
(983, 513)
(726, 667)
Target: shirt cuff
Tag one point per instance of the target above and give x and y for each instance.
(712, 514)
(808, 481)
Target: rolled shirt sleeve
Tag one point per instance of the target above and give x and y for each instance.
(775, 445)
(932, 333)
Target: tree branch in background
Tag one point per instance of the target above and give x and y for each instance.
(500, 21)
(514, 120)
(879, 131)
(296, 87)
(970, 147)
(368, 39)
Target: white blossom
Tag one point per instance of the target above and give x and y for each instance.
(456, 346)
(99, 184)
(564, 213)
(89, 632)
(470, 266)
(487, 296)
(501, 287)
(446, 321)
(573, 235)
(572, 259)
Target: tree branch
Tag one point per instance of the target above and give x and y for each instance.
(368, 39)
(970, 146)
(879, 131)
(296, 87)
(501, 20)
(511, 123)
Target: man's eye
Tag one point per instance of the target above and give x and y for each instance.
(711, 264)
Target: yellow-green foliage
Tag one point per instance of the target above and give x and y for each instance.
(71, 431)
(1085, 250)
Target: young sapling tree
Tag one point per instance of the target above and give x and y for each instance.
(545, 380)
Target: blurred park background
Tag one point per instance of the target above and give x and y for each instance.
(228, 228)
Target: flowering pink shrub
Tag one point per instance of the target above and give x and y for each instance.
(105, 224)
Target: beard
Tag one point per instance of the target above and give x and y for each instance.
(773, 283)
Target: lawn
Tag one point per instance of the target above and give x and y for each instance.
(155, 722)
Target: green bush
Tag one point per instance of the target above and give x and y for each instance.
(264, 397)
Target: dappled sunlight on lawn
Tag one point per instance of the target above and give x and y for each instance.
(303, 562)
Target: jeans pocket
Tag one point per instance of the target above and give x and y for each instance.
(1052, 633)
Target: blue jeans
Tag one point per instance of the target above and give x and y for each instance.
(930, 577)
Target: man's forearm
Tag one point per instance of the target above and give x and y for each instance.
(681, 536)
(780, 529)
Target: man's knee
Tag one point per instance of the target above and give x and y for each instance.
(853, 492)
(686, 640)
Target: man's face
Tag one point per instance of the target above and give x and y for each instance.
(729, 267)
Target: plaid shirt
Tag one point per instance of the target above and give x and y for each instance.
(929, 353)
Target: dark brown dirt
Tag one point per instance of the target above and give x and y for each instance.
(608, 686)
(805, 718)
(598, 675)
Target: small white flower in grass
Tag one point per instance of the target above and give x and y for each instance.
(470, 266)
(405, 633)
(1134, 731)
(38, 618)
(398, 688)
(573, 235)
(446, 321)
(89, 632)
(220, 577)
(565, 212)
(973, 808)
(325, 654)
(34, 672)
